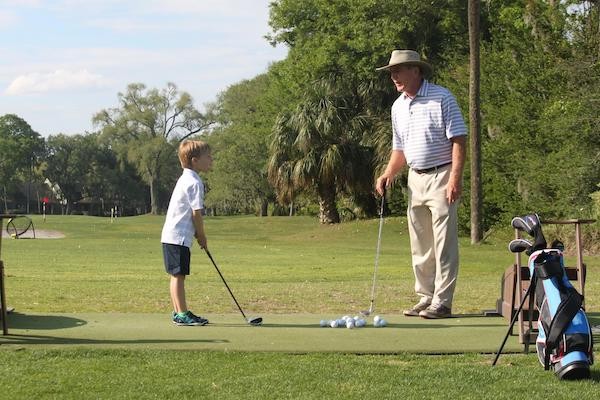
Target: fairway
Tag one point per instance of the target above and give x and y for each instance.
(100, 293)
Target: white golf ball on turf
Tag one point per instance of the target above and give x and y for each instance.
(360, 323)
(376, 319)
(334, 323)
(382, 323)
(350, 323)
(341, 322)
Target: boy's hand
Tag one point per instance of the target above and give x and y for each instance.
(202, 240)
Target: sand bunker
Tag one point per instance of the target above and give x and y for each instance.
(39, 234)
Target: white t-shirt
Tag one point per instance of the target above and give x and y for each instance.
(187, 196)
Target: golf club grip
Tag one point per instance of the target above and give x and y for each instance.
(225, 282)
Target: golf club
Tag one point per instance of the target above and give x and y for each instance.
(519, 246)
(252, 321)
(370, 310)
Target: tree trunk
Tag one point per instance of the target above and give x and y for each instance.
(475, 123)
(328, 213)
(153, 196)
(264, 207)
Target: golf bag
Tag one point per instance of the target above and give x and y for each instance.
(564, 341)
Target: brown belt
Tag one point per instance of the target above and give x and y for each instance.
(432, 169)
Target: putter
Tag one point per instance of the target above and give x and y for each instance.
(370, 310)
(252, 321)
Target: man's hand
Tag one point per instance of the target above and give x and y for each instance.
(383, 183)
(453, 190)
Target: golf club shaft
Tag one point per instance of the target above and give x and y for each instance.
(377, 252)
(226, 285)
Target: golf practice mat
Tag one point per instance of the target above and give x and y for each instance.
(294, 333)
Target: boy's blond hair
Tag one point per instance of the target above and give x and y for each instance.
(189, 149)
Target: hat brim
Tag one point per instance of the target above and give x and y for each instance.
(426, 68)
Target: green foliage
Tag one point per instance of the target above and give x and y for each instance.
(147, 126)
(321, 145)
(245, 113)
(21, 149)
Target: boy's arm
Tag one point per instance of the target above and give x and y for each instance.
(199, 226)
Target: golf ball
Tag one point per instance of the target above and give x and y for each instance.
(324, 323)
(334, 323)
(360, 323)
(376, 319)
(341, 322)
(382, 323)
(350, 323)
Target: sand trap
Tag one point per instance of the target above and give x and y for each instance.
(39, 234)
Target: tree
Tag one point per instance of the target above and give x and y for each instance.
(146, 128)
(349, 38)
(21, 148)
(244, 115)
(319, 147)
(475, 123)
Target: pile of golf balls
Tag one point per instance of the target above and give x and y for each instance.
(351, 322)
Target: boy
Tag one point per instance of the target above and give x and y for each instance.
(183, 223)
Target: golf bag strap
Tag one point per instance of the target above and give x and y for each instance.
(549, 269)
(565, 313)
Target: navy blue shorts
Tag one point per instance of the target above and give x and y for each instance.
(177, 259)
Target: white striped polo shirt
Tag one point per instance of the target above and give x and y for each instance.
(423, 126)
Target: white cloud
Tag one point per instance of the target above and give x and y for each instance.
(58, 80)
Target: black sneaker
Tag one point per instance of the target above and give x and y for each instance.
(189, 319)
(201, 321)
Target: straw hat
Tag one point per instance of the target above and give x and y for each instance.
(409, 57)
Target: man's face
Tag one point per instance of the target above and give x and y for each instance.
(405, 77)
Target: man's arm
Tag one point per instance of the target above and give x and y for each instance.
(397, 161)
(459, 151)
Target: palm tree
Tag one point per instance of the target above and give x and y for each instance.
(319, 146)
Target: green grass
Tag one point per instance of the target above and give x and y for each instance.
(274, 265)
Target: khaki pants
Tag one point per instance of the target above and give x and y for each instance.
(433, 229)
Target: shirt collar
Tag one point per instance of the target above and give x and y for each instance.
(422, 90)
(191, 172)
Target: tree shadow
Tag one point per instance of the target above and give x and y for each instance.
(50, 322)
(43, 322)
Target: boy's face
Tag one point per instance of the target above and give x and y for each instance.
(202, 163)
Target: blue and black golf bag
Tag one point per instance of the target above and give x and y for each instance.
(564, 341)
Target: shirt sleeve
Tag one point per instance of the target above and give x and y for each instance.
(453, 120)
(196, 196)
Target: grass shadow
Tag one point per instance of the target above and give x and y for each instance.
(54, 340)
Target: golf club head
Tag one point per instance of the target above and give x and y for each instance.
(528, 223)
(255, 321)
(557, 244)
(531, 224)
(519, 245)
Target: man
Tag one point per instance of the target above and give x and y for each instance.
(429, 136)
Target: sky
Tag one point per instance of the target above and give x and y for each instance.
(62, 61)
